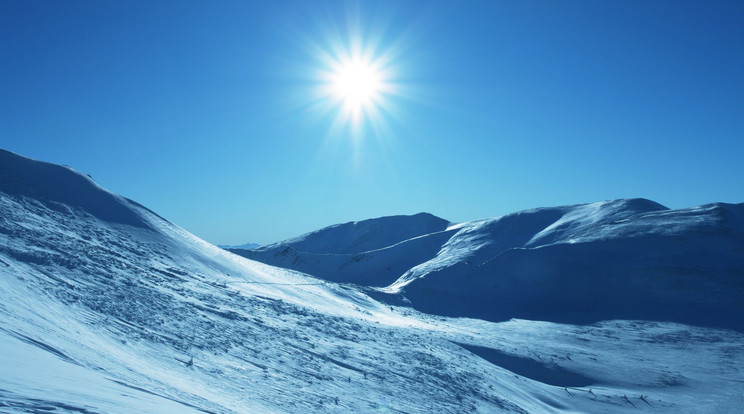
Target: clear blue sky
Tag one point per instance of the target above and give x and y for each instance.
(206, 112)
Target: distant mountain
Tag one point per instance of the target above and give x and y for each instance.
(372, 252)
(107, 307)
(363, 236)
(246, 246)
(624, 259)
(619, 259)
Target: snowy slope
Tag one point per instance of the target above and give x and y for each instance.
(103, 309)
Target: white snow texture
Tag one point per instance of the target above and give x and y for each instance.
(617, 306)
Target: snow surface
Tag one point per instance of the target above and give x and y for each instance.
(103, 309)
(618, 259)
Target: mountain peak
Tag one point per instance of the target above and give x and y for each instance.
(365, 235)
(52, 183)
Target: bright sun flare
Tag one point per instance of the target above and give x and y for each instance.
(356, 83)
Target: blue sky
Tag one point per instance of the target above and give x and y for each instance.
(208, 112)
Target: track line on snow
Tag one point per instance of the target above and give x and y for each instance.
(134, 387)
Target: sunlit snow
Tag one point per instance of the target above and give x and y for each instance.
(107, 307)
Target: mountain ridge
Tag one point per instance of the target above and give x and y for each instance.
(101, 314)
(358, 236)
(464, 265)
(54, 183)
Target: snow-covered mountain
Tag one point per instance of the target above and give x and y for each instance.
(363, 236)
(624, 259)
(244, 246)
(620, 259)
(372, 252)
(106, 307)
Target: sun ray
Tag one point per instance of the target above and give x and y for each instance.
(356, 79)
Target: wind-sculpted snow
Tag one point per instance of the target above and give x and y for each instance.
(102, 315)
(138, 304)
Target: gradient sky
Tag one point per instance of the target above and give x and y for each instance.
(207, 111)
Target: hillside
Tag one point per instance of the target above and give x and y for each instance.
(107, 307)
(623, 259)
(244, 246)
(372, 252)
(617, 259)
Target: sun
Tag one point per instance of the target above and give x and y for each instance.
(356, 83)
(356, 79)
